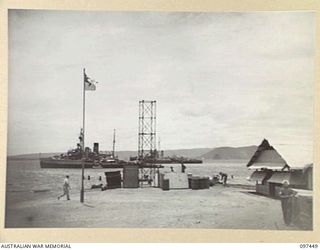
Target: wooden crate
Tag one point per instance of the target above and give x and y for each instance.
(130, 176)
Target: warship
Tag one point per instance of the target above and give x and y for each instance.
(93, 159)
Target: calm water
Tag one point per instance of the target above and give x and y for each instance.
(237, 169)
(27, 176)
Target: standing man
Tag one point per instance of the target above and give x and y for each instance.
(286, 195)
(66, 188)
(183, 168)
(225, 178)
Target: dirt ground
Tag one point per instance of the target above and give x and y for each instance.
(217, 208)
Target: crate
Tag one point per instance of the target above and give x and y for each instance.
(130, 176)
(165, 185)
(113, 179)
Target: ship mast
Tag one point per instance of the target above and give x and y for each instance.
(83, 145)
(114, 143)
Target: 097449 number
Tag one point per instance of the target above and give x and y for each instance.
(308, 245)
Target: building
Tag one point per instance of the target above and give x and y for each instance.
(271, 169)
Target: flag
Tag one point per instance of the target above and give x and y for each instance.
(89, 83)
(81, 136)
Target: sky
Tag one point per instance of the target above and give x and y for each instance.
(219, 79)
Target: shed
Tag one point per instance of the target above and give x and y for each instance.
(268, 159)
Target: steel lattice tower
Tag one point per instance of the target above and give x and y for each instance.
(147, 130)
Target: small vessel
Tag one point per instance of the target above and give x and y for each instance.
(170, 160)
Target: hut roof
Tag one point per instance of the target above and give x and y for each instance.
(258, 176)
(294, 177)
(267, 157)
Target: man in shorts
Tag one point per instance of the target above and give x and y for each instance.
(66, 188)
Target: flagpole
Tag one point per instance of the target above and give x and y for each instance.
(83, 133)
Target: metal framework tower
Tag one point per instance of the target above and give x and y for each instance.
(147, 140)
(147, 130)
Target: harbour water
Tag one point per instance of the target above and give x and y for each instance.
(27, 176)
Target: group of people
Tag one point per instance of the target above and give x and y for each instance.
(223, 178)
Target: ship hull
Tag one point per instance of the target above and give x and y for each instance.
(63, 163)
(68, 163)
(172, 161)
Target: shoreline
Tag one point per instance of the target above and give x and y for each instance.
(216, 208)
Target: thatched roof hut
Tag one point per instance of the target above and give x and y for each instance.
(267, 157)
(271, 169)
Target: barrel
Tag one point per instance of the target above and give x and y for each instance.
(204, 183)
(195, 182)
(165, 185)
(207, 183)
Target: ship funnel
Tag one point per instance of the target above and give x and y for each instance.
(96, 147)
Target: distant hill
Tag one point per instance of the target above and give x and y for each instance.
(221, 153)
(230, 153)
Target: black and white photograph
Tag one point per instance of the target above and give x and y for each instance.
(160, 119)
